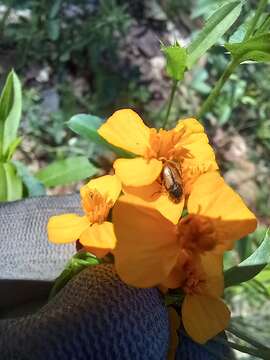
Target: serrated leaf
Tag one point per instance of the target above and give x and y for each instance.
(255, 49)
(251, 266)
(176, 58)
(33, 185)
(214, 28)
(77, 263)
(10, 112)
(66, 171)
(11, 183)
(86, 125)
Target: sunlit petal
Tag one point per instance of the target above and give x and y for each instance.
(126, 130)
(66, 228)
(109, 186)
(204, 317)
(138, 171)
(147, 248)
(212, 197)
(100, 236)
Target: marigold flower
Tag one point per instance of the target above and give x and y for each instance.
(185, 147)
(149, 246)
(92, 230)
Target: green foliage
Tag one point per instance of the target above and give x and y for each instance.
(33, 186)
(11, 184)
(214, 28)
(256, 49)
(66, 171)
(10, 114)
(251, 266)
(176, 57)
(77, 263)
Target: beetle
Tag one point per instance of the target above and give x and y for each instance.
(171, 180)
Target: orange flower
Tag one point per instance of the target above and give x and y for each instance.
(184, 148)
(204, 314)
(93, 230)
(149, 247)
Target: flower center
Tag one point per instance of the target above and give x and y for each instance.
(197, 233)
(95, 206)
(163, 144)
(195, 277)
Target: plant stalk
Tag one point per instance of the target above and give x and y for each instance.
(173, 90)
(217, 88)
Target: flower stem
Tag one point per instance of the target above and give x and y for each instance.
(217, 88)
(173, 90)
(233, 64)
(255, 19)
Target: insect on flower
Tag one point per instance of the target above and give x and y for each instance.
(171, 180)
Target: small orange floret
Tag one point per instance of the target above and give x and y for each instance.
(95, 206)
(197, 233)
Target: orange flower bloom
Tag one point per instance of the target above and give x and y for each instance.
(204, 314)
(184, 150)
(150, 248)
(93, 230)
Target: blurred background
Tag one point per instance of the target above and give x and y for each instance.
(90, 56)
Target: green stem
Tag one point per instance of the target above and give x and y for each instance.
(255, 19)
(173, 90)
(219, 85)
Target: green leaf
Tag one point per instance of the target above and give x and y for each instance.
(251, 266)
(53, 27)
(176, 58)
(255, 49)
(3, 183)
(55, 9)
(33, 185)
(66, 171)
(214, 28)
(12, 147)
(77, 263)
(86, 125)
(11, 184)
(10, 112)
(242, 333)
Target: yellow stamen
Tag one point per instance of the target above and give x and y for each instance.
(163, 144)
(95, 206)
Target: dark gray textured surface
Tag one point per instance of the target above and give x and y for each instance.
(95, 317)
(24, 247)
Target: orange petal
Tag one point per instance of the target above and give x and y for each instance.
(109, 186)
(147, 247)
(189, 127)
(177, 275)
(99, 236)
(213, 268)
(169, 209)
(138, 171)
(212, 197)
(200, 157)
(66, 228)
(154, 195)
(126, 130)
(204, 317)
